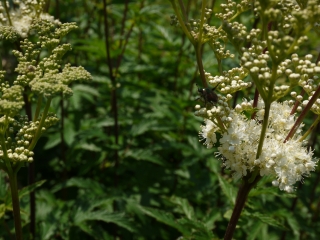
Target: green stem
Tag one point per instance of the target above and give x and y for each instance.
(5, 155)
(264, 128)
(182, 23)
(183, 10)
(220, 124)
(37, 112)
(314, 124)
(4, 3)
(198, 45)
(219, 65)
(41, 124)
(200, 66)
(15, 204)
(203, 10)
(267, 108)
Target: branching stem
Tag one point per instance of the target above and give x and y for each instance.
(41, 124)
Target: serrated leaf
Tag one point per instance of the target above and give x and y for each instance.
(142, 127)
(101, 215)
(2, 210)
(268, 220)
(185, 206)
(47, 230)
(89, 147)
(199, 229)
(183, 173)
(293, 223)
(69, 132)
(26, 190)
(95, 187)
(255, 230)
(164, 32)
(94, 231)
(228, 189)
(165, 217)
(3, 185)
(145, 155)
(53, 140)
(86, 89)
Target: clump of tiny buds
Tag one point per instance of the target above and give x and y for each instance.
(41, 76)
(268, 62)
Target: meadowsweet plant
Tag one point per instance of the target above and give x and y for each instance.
(41, 76)
(264, 134)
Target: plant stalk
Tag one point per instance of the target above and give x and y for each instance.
(15, 204)
(240, 202)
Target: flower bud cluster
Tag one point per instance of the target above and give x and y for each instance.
(211, 33)
(45, 77)
(40, 69)
(220, 110)
(227, 10)
(289, 16)
(305, 73)
(279, 43)
(11, 100)
(20, 134)
(220, 51)
(231, 81)
(279, 12)
(230, 8)
(255, 61)
(19, 154)
(308, 15)
(174, 21)
(18, 137)
(236, 32)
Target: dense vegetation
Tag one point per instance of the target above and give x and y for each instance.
(124, 161)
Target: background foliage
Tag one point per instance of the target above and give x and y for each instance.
(150, 178)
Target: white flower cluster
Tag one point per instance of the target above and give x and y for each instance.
(21, 17)
(288, 161)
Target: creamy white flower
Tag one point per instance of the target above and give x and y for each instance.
(288, 162)
(208, 133)
(22, 17)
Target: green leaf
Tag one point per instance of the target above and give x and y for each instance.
(166, 218)
(69, 132)
(47, 230)
(93, 186)
(293, 223)
(89, 147)
(268, 219)
(86, 89)
(2, 210)
(199, 230)
(255, 230)
(142, 127)
(145, 155)
(95, 231)
(53, 140)
(26, 190)
(229, 190)
(3, 185)
(184, 205)
(101, 215)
